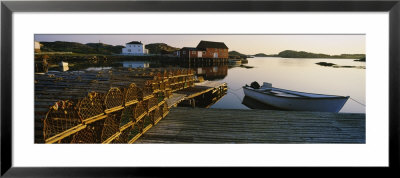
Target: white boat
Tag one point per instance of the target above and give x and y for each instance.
(63, 66)
(294, 100)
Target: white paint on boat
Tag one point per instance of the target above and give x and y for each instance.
(295, 100)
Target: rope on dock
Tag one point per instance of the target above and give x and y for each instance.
(238, 97)
(235, 89)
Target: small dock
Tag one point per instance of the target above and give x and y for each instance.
(201, 89)
(198, 125)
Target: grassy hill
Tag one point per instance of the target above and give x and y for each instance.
(100, 48)
(160, 48)
(89, 48)
(106, 48)
(236, 55)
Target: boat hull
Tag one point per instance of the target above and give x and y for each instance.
(320, 104)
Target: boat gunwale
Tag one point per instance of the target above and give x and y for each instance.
(302, 98)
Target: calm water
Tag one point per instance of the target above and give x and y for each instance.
(300, 75)
(293, 74)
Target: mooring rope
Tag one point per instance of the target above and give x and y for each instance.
(234, 89)
(236, 96)
(357, 101)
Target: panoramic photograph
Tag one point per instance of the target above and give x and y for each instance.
(200, 89)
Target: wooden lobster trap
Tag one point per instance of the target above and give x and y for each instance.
(156, 115)
(139, 111)
(110, 115)
(147, 90)
(124, 136)
(131, 95)
(114, 100)
(110, 128)
(86, 135)
(61, 121)
(91, 108)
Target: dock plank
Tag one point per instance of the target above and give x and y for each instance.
(196, 125)
(174, 99)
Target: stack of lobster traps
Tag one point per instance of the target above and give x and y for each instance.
(104, 106)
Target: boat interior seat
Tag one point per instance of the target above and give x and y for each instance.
(264, 90)
(279, 93)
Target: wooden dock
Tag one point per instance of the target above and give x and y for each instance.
(111, 106)
(199, 89)
(196, 125)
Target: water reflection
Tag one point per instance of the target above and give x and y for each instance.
(293, 74)
(299, 75)
(64, 68)
(205, 100)
(212, 72)
(90, 67)
(135, 64)
(97, 68)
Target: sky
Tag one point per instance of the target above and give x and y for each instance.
(246, 44)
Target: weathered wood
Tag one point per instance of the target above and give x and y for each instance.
(75, 86)
(187, 125)
(174, 99)
(64, 134)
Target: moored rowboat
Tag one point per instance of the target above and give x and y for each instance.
(295, 100)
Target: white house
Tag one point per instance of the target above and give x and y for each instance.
(135, 48)
(37, 47)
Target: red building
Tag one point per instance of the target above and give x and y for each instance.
(188, 52)
(205, 49)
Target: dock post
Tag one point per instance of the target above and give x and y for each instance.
(193, 102)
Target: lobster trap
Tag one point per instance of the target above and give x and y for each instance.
(118, 114)
(61, 121)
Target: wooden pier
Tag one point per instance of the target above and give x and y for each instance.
(120, 106)
(110, 106)
(197, 125)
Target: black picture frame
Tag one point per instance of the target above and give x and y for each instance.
(8, 7)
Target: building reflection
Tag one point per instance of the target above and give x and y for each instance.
(135, 64)
(212, 72)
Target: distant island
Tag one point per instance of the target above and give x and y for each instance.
(328, 64)
(361, 60)
(303, 54)
(236, 55)
(325, 64)
(261, 55)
